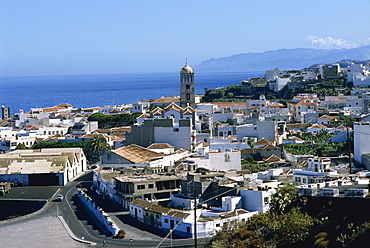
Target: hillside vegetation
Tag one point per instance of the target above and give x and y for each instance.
(301, 222)
(234, 92)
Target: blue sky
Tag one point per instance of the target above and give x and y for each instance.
(55, 37)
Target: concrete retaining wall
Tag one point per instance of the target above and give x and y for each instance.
(98, 212)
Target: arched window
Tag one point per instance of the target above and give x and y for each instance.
(188, 96)
(187, 87)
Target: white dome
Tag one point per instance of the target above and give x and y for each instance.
(187, 69)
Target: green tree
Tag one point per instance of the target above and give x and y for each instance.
(59, 144)
(109, 121)
(282, 199)
(295, 226)
(21, 146)
(348, 121)
(98, 144)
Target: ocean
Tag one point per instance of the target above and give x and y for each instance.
(104, 89)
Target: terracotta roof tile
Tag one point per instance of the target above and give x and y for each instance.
(272, 158)
(159, 146)
(263, 141)
(167, 100)
(269, 147)
(247, 151)
(173, 106)
(136, 154)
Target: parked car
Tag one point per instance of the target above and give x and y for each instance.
(59, 197)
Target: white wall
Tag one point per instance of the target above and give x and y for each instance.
(265, 129)
(255, 200)
(179, 139)
(219, 161)
(361, 140)
(140, 212)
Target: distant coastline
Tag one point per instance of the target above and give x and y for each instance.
(81, 91)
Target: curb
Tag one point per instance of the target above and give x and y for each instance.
(70, 233)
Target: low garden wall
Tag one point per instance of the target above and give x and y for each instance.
(102, 216)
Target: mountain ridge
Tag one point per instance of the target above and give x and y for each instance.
(296, 58)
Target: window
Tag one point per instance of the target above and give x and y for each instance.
(227, 158)
(141, 186)
(188, 229)
(165, 220)
(218, 225)
(187, 87)
(157, 216)
(187, 96)
(151, 186)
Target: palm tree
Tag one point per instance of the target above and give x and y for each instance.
(98, 144)
(250, 142)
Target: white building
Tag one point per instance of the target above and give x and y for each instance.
(223, 144)
(359, 74)
(361, 140)
(302, 104)
(256, 200)
(182, 222)
(219, 161)
(47, 166)
(279, 83)
(161, 130)
(318, 169)
(265, 129)
(271, 74)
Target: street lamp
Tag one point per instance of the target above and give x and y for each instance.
(130, 243)
(83, 242)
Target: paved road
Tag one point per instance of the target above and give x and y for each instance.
(81, 223)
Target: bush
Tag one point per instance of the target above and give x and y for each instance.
(121, 234)
(242, 234)
(295, 226)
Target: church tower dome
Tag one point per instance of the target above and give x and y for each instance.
(187, 69)
(187, 93)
